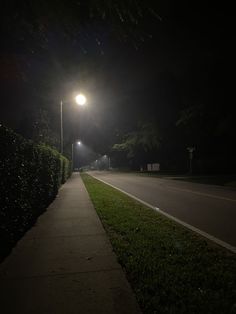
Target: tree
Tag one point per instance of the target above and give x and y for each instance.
(211, 129)
(140, 146)
(31, 23)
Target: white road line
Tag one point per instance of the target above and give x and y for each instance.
(194, 229)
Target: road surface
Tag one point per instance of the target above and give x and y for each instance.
(209, 208)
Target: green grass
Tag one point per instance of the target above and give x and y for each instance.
(171, 269)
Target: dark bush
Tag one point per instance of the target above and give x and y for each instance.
(66, 169)
(30, 176)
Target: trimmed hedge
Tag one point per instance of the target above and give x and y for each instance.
(30, 176)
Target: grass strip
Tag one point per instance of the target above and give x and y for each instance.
(171, 269)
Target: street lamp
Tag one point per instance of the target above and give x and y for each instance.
(72, 154)
(81, 101)
(108, 161)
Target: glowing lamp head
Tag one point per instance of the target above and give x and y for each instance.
(79, 143)
(80, 99)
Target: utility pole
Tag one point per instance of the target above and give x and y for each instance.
(61, 128)
(72, 157)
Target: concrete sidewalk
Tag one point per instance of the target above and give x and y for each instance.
(65, 263)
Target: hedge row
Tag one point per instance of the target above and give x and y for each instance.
(30, 176)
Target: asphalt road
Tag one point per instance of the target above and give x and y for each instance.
(209, 208)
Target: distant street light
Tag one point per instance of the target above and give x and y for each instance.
(72, 154)
(108, 161)
(81, 101)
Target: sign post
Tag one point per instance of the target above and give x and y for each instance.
(190, 150)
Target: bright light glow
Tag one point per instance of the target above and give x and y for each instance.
(80, 99)
(79, 143)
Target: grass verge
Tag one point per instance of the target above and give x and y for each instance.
(170, 269)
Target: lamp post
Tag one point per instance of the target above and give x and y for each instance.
(72, 154)
(108, 161)
(61, 150)
(81, 101)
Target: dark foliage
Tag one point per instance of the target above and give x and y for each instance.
(33, 21)
(140, 146)
(30, 177)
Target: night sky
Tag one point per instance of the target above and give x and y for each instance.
(179, 55)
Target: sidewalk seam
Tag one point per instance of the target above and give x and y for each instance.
(63, 274)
